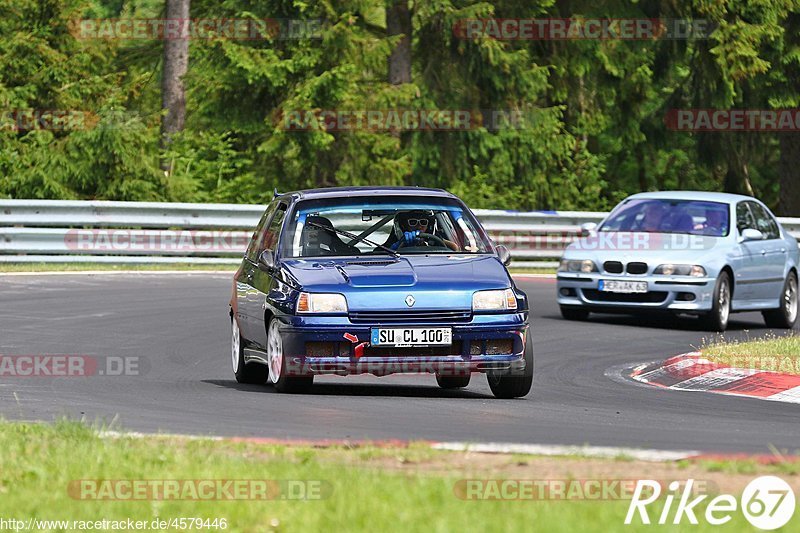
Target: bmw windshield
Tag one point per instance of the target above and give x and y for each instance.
(693, 217)
(368, 225)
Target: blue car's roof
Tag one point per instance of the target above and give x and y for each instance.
(334, 192)
(723, 197)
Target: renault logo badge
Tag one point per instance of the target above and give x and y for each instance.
(410, 301)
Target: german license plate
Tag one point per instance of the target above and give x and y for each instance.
(628, 287)
(411, 336)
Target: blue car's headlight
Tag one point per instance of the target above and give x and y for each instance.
(577, 265)
(494, 300)
(309, 302)
(668, 269)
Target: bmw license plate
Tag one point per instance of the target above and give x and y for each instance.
(628, 287)
(411, 336)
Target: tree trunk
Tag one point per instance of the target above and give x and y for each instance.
(789, 168)
(176, 62)
(398, 22)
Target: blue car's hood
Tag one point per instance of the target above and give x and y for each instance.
(382, 282)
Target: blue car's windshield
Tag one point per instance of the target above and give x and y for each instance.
(670, 216)
(443, 226)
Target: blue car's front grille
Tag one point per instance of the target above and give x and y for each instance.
(400, 317)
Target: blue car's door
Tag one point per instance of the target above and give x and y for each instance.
(773, 254)
(257, 282)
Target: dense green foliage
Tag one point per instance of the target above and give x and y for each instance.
(595, 109)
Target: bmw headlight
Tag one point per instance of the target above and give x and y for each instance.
(494, 300)
(668, 269)
(310, 302)
(577, 265)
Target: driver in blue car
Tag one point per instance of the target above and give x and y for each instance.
(410, 229)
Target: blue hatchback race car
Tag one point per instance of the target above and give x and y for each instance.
(377, 280)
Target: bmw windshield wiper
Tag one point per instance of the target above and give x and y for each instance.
(353, 236)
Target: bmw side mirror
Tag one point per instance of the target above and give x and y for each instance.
(751, 234)
(504, 255)
(266, 261)
(588, 228)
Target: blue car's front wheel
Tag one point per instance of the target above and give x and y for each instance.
(514, 384)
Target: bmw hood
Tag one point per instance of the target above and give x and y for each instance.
(677, 248)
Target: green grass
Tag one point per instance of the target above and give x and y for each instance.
(73, 267)
(367, 488)
(527, 270)
(780, 354)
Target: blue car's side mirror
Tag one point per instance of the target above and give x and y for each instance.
(504, 255)
(266, 261)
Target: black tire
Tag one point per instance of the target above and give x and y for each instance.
(253, 373)
(277, 366)
(717, 318)
(785, 317)
(506, 384)
(574, 313)
(452, 382)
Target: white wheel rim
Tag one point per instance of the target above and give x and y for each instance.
(235, 344)
(724, 303)
(790, 299)
(274, 352)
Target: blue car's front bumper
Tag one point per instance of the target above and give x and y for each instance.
(335, 345)
(668, 293)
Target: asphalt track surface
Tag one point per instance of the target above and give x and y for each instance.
(177, 325)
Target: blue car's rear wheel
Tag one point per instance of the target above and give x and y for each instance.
(283, 377)
(514, 384)
(244, 372)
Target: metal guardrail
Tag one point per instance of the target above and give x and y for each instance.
(56, 231)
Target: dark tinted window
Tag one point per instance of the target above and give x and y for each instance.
(764, 221)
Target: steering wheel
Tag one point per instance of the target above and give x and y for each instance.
(425, 236)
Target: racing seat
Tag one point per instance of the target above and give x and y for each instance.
(316, 241)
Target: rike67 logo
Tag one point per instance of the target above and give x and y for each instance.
(767, 502)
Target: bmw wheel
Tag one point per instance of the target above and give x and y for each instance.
(717, 318)
(452, 382)
(244, 372)
(786, 315)
(279, 370)
(573, 312)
